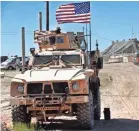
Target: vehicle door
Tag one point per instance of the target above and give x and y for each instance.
(13, 63)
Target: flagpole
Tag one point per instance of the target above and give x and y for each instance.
(90, 28)
(86, 37)
(90, 34)
(86, 33)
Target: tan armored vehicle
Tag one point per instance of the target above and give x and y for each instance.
(60, 80)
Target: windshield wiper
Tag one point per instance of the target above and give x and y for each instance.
(48, 61)
(45, 62)
(65, 61)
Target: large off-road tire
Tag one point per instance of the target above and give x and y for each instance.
(97, 101)
(19, 114)
(85, 113)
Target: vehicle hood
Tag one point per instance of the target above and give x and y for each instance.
(51, 75)
(4, 63)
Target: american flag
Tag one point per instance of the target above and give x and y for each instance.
(74, 13)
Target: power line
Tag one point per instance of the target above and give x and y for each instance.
(32, 32)
(98, 35)
(101, 37)
(15, 33)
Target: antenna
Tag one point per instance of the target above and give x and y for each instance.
(83, 29)
(132, 32)
(40, 21)
(47, 15)
(96, 45)
(23, 48)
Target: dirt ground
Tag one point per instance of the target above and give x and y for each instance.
(119, 92)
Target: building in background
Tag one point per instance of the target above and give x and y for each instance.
(122, 50)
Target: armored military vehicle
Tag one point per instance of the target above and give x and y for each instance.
(61, 79)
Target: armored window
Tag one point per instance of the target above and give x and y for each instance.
(75, 59)
(42, 59)
(59, 39)
(45, 40)
(14, 60)
(9, 60)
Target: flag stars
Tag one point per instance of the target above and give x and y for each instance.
(81, 8)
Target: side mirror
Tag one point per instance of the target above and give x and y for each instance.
(83, 45)
(89, 72)
(2, 74)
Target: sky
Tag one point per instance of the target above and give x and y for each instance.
(110, 21)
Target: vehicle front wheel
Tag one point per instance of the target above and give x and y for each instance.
(19, 114)
(10, 68)
(85, 113)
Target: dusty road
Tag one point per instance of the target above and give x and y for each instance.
(119, 91)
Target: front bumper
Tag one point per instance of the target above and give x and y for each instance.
(54, 101)
(3, 67)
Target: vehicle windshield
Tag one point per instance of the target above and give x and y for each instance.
(42, 59)
(9, 60)
(68, 59)
(74, 59)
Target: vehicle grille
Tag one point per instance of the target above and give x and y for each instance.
(37, 88)
(47, 89)
(47, 101)
(60, 87)
(34, 88)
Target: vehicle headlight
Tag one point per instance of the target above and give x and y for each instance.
(20, 89)
(2, 65)
(75, 86)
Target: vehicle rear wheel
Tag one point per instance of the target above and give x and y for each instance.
(19, 114)
(97, 102)
(85, 113)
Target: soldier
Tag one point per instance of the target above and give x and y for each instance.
(58, 30)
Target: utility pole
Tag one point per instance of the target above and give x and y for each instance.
(23, 49)
(40, 21)
(47, 15)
